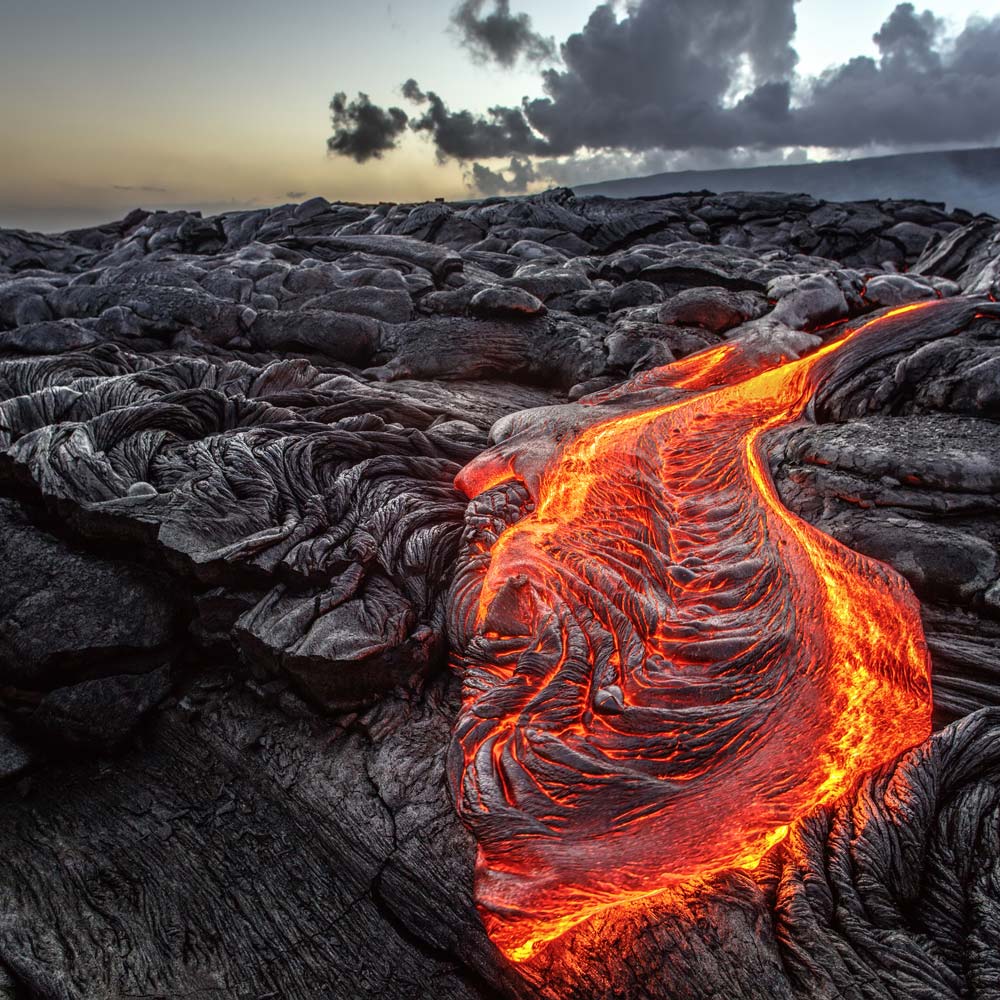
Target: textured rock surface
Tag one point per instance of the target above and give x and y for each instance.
(227, 449)
(66, 614)
(634, 613)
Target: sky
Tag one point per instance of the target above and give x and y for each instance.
(224, 104)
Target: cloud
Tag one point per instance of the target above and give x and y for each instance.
(663, 78)
(499, 36)
(923, 88)
(492, 182)
(363, 130)
(295, 195)
(465, 136)
(655, 77)
(143, 188)
(660, 76)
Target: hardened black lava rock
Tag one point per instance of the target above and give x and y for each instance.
(228, 527)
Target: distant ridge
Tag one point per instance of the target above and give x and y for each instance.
(962, 178)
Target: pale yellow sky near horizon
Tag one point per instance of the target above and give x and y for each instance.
(213, 104)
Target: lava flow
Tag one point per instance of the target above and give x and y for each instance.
(663, 667)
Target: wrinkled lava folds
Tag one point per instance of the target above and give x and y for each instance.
(663, 667)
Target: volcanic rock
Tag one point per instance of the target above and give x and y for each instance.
(808, 302)
(368, 300)
(897, 290)
(969, 255)
(228, 448)
(914, 238)
(634, 293)
(65, 613)
(99, 714)
(47, 337)
(509, 302)
(15, 756)
(714, 309)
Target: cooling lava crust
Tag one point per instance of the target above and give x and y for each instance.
(663, 667)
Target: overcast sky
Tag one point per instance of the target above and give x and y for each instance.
(109, 104)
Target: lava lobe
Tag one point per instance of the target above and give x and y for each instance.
(663, 667)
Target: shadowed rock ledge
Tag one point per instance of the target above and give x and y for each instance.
(229, 527)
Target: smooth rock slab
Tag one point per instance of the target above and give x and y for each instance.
(508, 302)
(67, 614)
(99, 714)
(384, 305)
(48, 337)
(15, 756)
(714, 309)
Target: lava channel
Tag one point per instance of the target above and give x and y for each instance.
(663, 668)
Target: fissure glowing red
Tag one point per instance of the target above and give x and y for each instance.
(663, 667)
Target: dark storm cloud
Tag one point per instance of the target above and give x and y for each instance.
(466, 136)
(363, 130)
(655, 77)
(921, 89)
(905, 31)
(659, 78)
(659, 75)
(412, 92)
(512, 179)
(499, 35)
(719, 75)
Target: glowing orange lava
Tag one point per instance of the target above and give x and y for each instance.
(663, 667)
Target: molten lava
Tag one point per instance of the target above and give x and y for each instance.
(663, 667)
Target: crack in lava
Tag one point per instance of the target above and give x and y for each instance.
(663, 667)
